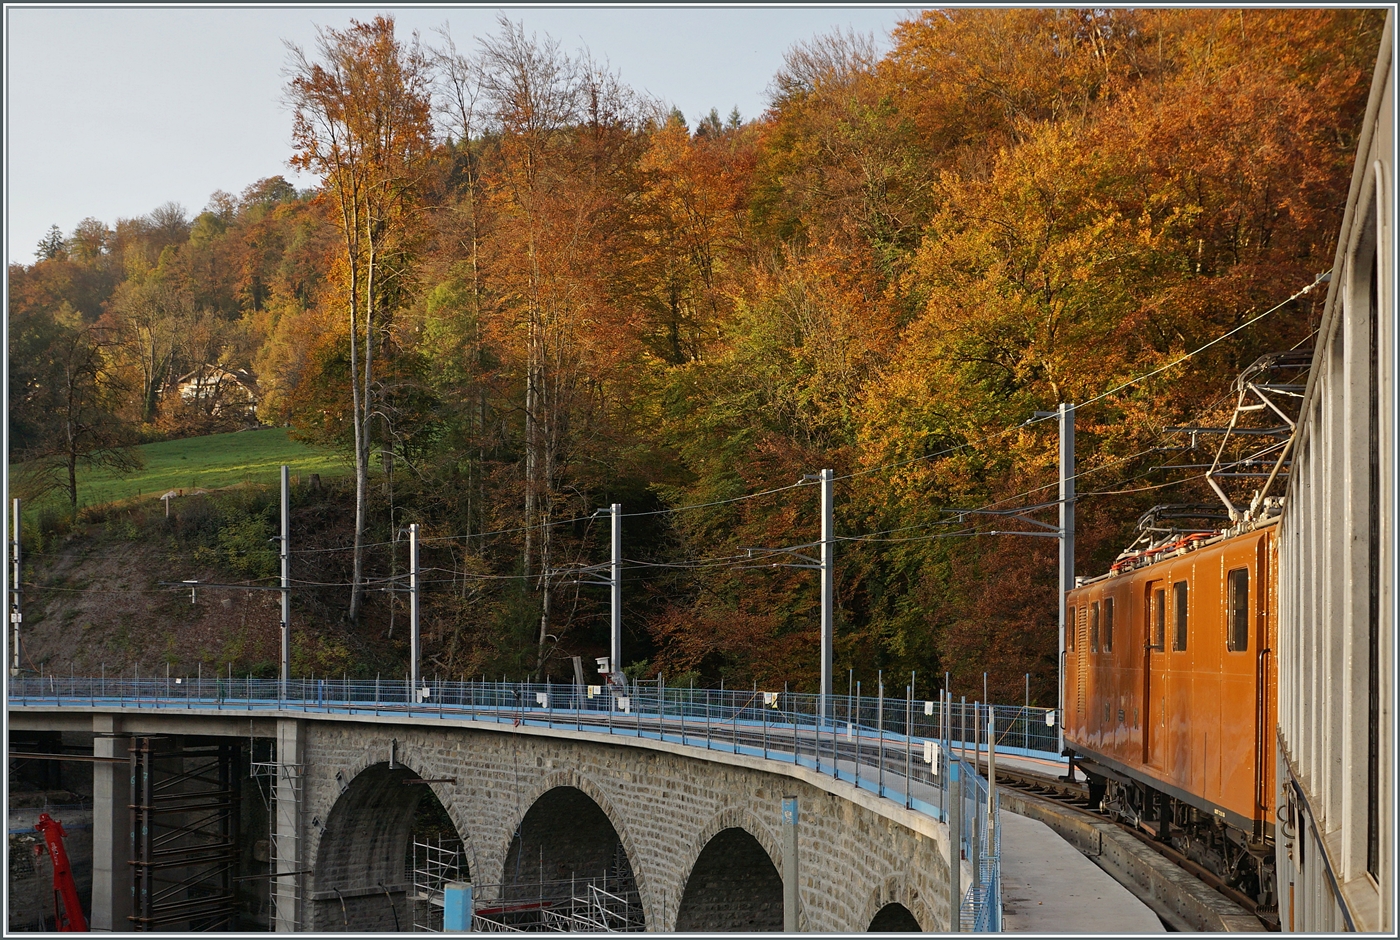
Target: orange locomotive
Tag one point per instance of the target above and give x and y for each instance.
(1171, 693)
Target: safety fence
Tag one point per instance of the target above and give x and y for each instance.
(900, 749)
(980, 821)
(1020, 729)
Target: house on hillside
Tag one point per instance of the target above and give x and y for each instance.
(217, 391)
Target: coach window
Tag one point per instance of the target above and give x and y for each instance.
(1237, 617)
(1108, 624)
(1159, 618)
(1069, 628)
(1094, 627)
(1179, 603)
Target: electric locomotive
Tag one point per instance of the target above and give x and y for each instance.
(1170, 697)
(1170, 678)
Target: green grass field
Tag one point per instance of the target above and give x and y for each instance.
(205, 463)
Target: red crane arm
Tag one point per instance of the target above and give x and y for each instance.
(71, 918)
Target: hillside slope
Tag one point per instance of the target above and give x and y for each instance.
(93, 600)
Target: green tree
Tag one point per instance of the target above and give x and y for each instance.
(73, 400)
(52, 245)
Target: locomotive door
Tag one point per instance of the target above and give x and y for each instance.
(1154, 674)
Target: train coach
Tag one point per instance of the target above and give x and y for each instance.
(1334, 744)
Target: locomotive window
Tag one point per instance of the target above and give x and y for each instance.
(1094, 627)
(1069, 628)
(1159, 618)
(1179, 602)
(1237, 625)
(1108, 624)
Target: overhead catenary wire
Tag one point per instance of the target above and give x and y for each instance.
(994, 435)
(986, 438)
(754, 559)
(747, 560)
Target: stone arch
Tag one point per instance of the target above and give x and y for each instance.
(359, 869)
(893, 896)
(449, 795)
(406, 754)
(735, 818)
(572, 778)
(571, 830)
(894, 918)
(732, 881)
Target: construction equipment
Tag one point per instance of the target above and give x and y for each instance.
(70, 918)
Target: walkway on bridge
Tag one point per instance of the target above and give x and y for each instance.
(1049, 886)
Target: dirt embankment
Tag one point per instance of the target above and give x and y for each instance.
(93, 600)
(96, 600)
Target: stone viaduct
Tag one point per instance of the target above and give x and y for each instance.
(699, 830)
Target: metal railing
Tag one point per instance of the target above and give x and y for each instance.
(980, 911)
(876, 743)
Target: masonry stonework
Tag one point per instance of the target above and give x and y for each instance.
(665, 803)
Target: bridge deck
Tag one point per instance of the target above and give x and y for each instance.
(877, 761)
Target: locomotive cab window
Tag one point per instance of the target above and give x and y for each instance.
(1108, 624)
(1069, 628)
(1157, 617)
(1237, 616)
(1179, 603)
(1094, 627)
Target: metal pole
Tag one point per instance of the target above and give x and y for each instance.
(415, 647)
(954, 844)
(991, 780)
(908, 741)
(828, 572)
(16, 611)
(976, 735)
(857, 726)
(286, 581)
(943, 739)
(616, 579)
(880, 730)
(1066, 551)
(962, 727)
(790, 896)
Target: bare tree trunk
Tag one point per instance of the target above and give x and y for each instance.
(545, 598)
(71, 455)
(352, 224)
(367, 397)
(533, 373)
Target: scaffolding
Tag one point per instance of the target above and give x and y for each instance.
(558, 907)
(435, 865)
(283, 800)
(606, 903)
(184, 834)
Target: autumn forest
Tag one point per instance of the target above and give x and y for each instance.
(522, 291)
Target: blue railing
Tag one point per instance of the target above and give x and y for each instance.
(898, 749)
(981, 905)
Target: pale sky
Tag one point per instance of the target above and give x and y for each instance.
(111, 112)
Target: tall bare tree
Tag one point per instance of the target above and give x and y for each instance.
(363, 122)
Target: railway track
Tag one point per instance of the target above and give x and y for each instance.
(1199, 900)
